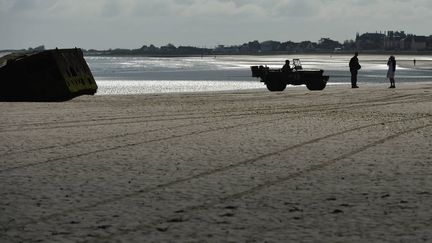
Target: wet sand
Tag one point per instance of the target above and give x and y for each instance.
(420, 64)
(341, 165)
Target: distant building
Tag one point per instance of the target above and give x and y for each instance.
(414, 43)
(393, 40)
(429, 42)
(383, 41)
(370, 41)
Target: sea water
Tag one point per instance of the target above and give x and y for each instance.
(139, 75)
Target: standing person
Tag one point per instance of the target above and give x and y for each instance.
(414, 61)
(391, 63)
(354, 66)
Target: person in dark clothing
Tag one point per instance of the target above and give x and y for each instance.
(286, 67)
(391, 63)
(354, 66)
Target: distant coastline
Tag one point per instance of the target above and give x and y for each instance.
(348, 52)
(422, 53)
(390, 42)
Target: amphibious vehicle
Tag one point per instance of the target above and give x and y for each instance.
(52, 75)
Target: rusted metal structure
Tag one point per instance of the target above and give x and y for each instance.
(52, 75)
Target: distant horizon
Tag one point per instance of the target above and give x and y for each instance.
(210, 46)
(205, 47)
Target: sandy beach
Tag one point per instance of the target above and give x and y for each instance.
(341, 165)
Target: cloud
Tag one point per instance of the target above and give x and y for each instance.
(197, 22)
(21, 6)
(151, 8)
(297, 9)
(219, 8)
(111, 8)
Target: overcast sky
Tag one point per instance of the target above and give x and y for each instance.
(103, 24)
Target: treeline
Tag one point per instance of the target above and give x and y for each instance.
(167, 50)
(253, 47)
(389, 41)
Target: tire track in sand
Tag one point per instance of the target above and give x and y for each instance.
(251, 112)
(333, 108)
(152, 225)
(87, 122)
(234, 165)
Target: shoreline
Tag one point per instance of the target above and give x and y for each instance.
(335, 165)
(262, 87)
(408, 53)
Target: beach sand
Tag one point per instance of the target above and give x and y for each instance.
(341, 165)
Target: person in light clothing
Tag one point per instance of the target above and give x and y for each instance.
(391, 63)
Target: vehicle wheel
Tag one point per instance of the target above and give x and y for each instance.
(316, 85)
(276, 86)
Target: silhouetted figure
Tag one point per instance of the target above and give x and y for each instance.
(414, 62)
(354, 66)
(391, 63)
(286, 67)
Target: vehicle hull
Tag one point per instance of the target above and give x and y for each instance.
(52, 75)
